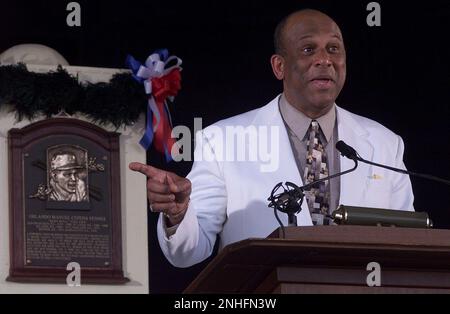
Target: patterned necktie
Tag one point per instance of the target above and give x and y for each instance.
(318, 197)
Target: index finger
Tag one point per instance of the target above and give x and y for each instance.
(147, 170)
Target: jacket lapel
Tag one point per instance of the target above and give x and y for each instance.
(288, 171)
(353, 185)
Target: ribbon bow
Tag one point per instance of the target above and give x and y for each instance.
(160, 84)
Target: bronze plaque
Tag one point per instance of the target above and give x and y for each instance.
(65, 202)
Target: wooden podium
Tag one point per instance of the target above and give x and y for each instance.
(332, 259)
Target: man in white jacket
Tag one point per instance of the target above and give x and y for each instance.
(228, 196)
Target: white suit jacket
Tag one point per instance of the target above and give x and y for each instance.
(230, 197)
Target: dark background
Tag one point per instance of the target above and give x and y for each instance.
(398, 74)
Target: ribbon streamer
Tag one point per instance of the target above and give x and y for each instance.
(161, 82)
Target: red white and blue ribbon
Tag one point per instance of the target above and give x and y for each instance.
(161, 78)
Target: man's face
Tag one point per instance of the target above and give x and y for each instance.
(314, 62)
(66, 179)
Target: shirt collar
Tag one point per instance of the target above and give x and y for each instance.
(299, 123)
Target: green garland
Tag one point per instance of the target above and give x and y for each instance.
(119, 102)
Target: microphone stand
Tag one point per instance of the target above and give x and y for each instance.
(310, 185)
(291, 199)
(351, 153)
(419, 175)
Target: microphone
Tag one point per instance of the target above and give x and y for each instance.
(351, 153)
(288, 198)
(346, 150)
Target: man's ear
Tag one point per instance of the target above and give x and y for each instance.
(277, 63)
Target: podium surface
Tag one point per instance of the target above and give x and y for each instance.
(331, 259)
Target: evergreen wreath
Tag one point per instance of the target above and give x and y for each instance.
(29, 94)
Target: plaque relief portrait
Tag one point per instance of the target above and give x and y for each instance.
(67, 173)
